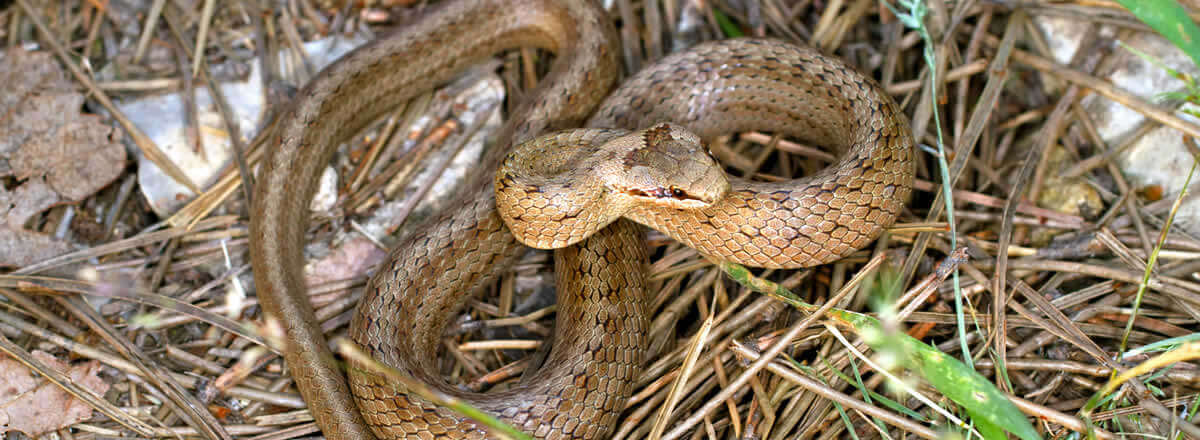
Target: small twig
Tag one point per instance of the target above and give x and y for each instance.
(355, 354)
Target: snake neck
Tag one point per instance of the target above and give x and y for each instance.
(545, 194)
(408, 304)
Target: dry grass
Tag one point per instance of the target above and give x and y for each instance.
(1044, 318)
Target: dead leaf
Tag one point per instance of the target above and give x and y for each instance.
(57, 154)
(35, 406)
(351, 259)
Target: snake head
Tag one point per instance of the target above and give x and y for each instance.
(664, 165)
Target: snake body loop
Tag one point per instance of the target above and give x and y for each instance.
(469, 246)
(712, 89)
(734, 86)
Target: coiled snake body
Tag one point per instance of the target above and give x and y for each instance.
(712, 89)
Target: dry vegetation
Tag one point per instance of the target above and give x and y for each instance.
(1046, 287)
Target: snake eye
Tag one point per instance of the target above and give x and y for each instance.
(678, 193)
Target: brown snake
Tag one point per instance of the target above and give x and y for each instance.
(712, 89)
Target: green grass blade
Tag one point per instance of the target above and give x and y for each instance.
(966, 387)
(986, 428)
(727, 25)
(1163, 345)
(954, 379)
(1171, 21)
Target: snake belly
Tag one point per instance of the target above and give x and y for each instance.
(713, 89)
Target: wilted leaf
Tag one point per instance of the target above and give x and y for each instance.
(34, 406)
(56, 154)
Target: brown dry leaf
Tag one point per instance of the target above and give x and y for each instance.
(34, 406)
(351, 259)
(56, 153)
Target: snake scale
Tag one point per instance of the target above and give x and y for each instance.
(712, 89)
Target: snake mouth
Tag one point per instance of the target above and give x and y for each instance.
(673, 196)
